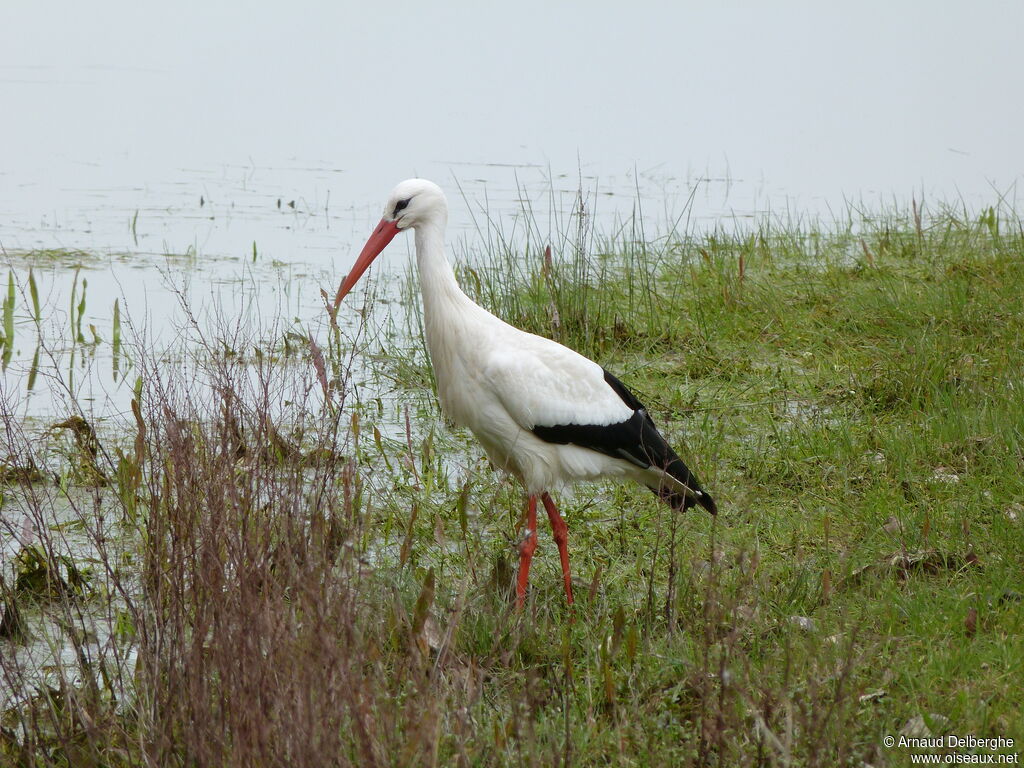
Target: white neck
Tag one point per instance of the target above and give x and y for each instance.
(452, 323)
(437, 278)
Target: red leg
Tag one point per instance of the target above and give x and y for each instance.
(561, 533)
(526, 549)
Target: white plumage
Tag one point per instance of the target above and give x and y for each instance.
(541, 411)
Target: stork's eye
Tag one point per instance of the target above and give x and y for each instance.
(401, 205)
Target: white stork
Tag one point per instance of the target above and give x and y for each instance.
(543, 412)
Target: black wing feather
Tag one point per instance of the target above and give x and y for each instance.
(635, 440)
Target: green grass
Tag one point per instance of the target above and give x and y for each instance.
(852, 397)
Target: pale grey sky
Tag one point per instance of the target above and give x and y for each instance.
(812, 100)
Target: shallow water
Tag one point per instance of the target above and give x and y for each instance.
(257, 148)
(239, 160)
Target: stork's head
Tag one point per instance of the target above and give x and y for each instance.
(412, 203)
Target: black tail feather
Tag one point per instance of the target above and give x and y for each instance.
(637, 441)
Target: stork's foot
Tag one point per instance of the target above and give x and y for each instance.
(528, 546)
(526, 550)
(560, 531)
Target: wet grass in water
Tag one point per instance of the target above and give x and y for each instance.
(320, 579)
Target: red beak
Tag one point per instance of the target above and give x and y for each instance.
(382, 235)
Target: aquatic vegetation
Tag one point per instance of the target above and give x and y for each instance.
(293, 558)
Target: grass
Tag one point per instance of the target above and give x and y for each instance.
(301, 578)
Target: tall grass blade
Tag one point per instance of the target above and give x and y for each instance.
(74, 306)
(33, 290)
(9, 309)
(81, 312)
(116, 339)
(8, 340)
(34, 370)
